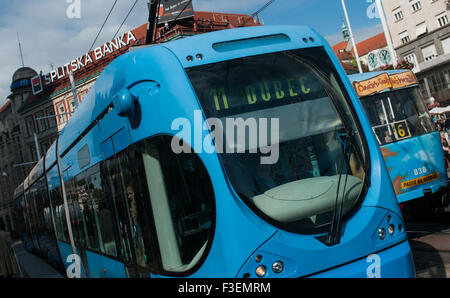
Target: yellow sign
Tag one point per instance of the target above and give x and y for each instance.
(403, 79)
(401, 130)
(421, 180)
(385, 81)
(373, 85)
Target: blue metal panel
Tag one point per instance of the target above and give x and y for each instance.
(103, 267)
(306, 255)
(107, 149)
(65, 251)
(395, 262)
(414, 158)
(121, 140)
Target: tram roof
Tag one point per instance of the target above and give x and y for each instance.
(133, 67)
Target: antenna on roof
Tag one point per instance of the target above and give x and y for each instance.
(20, 49)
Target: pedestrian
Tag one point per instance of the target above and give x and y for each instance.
(8, 266)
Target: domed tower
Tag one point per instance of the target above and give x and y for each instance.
(21, 85)
(345, 33)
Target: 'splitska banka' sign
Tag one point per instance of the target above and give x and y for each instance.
(95, 55)
(384, 81)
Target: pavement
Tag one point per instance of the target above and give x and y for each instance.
(429, 240)
(32, 266)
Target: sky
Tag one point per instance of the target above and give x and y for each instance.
(53, 32)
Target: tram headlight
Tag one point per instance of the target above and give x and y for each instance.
(391, 229)
(261, 271)
(382, 233)
(277, 267)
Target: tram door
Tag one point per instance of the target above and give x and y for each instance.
(131, 247)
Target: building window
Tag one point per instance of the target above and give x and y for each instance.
(51, 120)
(416, 5)
(30, 126)
(442, 19)
(423, 88)
(439, 81)
(398, 14)
(61, 112)
(421, 29)
(33, 153)
(41, 126)
(404, 37)
(44, 147)
(411, 58)
(429, 53)
(446, 45)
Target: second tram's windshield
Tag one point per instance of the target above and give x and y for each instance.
(397, 115)
(315, 136)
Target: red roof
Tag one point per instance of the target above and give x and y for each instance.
(364, 47)
(5, 106)
(340, 52)
(371, 44)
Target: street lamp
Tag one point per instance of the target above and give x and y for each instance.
(351, 37)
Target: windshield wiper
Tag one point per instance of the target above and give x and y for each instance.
(334, 235)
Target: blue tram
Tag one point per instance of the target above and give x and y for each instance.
(239, 153)
(410, 144)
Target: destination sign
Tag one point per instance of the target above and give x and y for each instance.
(271, 90)
(420, 180)
(403, 79)
(373, 85)
(384, 81)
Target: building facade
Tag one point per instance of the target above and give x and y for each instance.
(373, 52)
(12, 170)
(420, 33)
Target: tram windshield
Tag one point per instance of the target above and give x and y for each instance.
(286, 133)
(397, 115)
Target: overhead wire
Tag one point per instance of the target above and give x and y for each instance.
(258, 11)
(107, 17)
(128, 14)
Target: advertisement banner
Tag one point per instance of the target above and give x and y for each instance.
(170, 10)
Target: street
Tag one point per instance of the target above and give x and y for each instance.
(429, 238)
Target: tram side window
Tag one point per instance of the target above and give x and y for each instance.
(75, 210)
(114, 190)
(20, 227)
(97, 213)
(139, 210)
(87, 213)
(104, 215)
(182, 202)
(60, 215)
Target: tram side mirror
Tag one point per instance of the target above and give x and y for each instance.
(124, 102)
